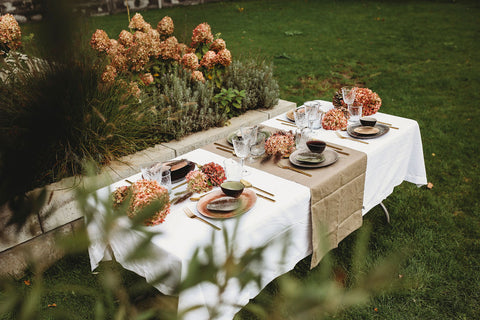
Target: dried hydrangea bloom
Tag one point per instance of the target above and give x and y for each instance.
(201, 34)
(100, 41)
(144, 192)
(109, 74)
(197, 181)
(370, 100)
(126, 38)
(138, 23)
(217, 45)
(133, 89)
(190, 61)
(165, 26)
(280, 143)
(169, 49)
(334, 119)
(147, 78)
(209, 60)
(10, 32)
(182, 49)
(214, 172)
(198, 76)
(224, 57)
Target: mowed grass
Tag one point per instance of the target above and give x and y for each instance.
(422, 58)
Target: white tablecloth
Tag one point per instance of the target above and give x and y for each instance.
(267, 224)
(391, 159)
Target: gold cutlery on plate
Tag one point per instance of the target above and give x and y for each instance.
(293, 169)
(349, 138)
(199, 197)
(191, 215)
(249, 185)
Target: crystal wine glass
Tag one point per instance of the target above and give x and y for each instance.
(250, 134)
(300, 117)
(242, 150)
(311, 109)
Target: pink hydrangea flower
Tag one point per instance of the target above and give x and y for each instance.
(190, 61)
(209, 60)
(10, 32)
(281, 143)
(224, 57)
(370, 101)
(197, 181)
(334, 119)
(217, 45)
(169, 49)
(126, 38)
(165, 26)
(198, 76)
(201, 34)
(109, 74)
(138, 23)
(147, 78)
(100, 41)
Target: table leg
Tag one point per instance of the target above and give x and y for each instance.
(387, 215)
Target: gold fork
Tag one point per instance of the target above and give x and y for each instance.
(349, 138)
(293, 169)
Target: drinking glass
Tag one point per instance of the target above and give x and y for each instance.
(355, 112)
(233, 170)
(166, 178)
(348, 94)
(300, 117)
(311, 109)
(242, 150)
(258, 147)
(249, 134)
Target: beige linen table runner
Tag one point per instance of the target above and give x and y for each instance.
(336, 195)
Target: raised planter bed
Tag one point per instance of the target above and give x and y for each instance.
(36, 239)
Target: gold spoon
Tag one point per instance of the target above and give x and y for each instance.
(191, 215)
(249, 185)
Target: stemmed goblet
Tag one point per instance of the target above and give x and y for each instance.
(242, 150)
(355, 112)
(300, 116)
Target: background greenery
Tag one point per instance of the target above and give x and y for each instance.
(422, 58)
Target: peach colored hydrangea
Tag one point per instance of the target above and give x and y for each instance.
(198, 76)
(201, 34)
(126, 38)
(100, 41)
(143, 193)
(370, 100)
(224, 57)
(169, 49)
(197, 181)
(10, 33)
(217, 45)
(165, 26)
(334, 119)
(190, 61)
(281, 143)
(209, 60)
(138, 23)
(109, 74)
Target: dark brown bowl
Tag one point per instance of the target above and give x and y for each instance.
(232, 188)
(368, 121)
(316, 146)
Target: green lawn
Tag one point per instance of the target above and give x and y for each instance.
(422, 58)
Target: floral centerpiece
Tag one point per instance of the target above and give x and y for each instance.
(334, 119)
(210, 175)
(280, 143)
(10, 34)
(370, 101)
(141, 194)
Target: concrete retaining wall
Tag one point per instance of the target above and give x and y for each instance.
(36, 239)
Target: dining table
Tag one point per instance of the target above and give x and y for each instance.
(310, 214)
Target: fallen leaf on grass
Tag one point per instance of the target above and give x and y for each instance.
(433, 154)
(27, 282)
(52, 305)
(429, 185)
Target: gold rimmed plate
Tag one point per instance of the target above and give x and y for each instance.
(357, 131)
(330, 158)
(247, 199)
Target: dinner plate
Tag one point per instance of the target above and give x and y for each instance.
(330, 158)
(366, 130)
(382, 129)
(248, 199)
(231, 135)
(310, 157)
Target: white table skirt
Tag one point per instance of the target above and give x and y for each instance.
(287, 221)
(391, 159)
